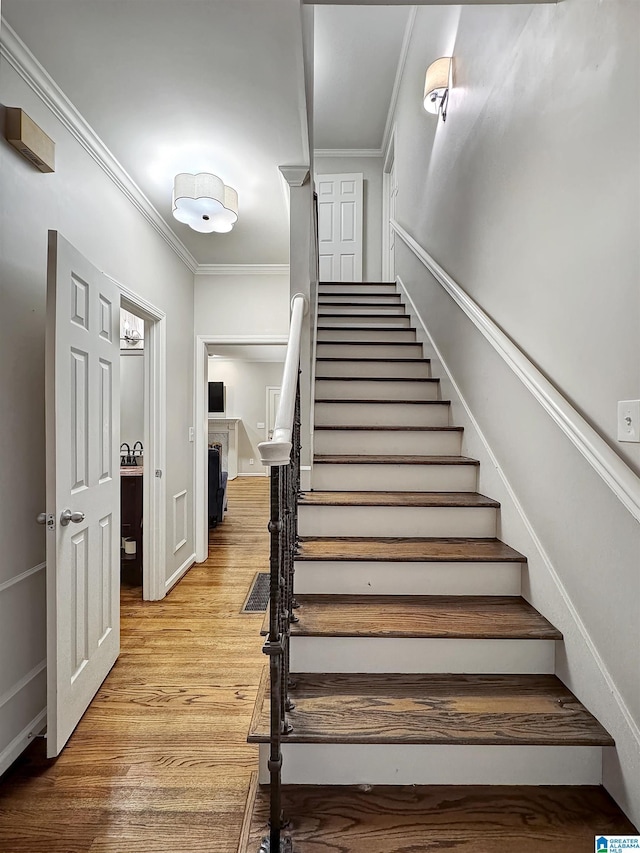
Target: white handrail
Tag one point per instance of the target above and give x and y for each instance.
(620, 478)
(277, 451)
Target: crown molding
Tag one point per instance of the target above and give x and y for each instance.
(20, 58)
(347, 152)
(242, 269)
(402, 60)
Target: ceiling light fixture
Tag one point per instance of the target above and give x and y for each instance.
(436, 86)
(204, 202)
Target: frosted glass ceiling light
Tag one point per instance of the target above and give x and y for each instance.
(204, 202)
(436, 86)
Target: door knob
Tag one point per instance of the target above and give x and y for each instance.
(41, 518)
(68, 516)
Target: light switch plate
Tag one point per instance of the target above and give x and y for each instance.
(629, 420)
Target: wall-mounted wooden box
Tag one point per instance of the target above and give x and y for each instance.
(30, 140)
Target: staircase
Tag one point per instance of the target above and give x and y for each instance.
(415, 659)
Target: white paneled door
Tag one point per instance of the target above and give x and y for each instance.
(340, 214)
(83, 486)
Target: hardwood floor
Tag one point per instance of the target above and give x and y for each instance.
(160, 763)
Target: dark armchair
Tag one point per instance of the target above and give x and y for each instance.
(217, 487)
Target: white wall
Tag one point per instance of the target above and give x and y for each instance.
(371, 168)
(132, 398)
(528, 196)
(87, 208)
(245, 397)
(241, 304)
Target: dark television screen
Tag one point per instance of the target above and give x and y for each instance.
(216, 397)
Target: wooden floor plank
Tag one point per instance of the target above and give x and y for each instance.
(160, 763)
(453, 616)
(435, 709)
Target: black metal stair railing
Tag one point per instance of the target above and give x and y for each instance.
(283, 527)
(282, 455)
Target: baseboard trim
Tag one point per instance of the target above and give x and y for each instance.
(622, 481)
(634, 729)
(179, 572)
(22, 740)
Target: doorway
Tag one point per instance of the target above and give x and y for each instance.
(233, 346)
(147, 372)
(340, 226)
(132, 467)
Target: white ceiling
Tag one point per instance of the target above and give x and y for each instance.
(185, 85)
(217, 85)
(356, 53)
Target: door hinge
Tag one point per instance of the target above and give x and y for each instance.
(158, 473)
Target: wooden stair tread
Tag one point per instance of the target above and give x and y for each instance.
(372, 361)
(415, 499)
(392, 428)
(383, 315)
(329, 303)
(344, 459)
(358, 284)
(430, 379)
(425, 550)
(363, 327)
(384, 402)
(487, 617)
(504, 710)
(374, 343)
(446, 818)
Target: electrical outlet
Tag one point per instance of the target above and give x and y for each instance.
(629, 420)
(251, 462)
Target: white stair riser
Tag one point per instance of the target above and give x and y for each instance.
(418, 654)
(478, 522)
(388, 414)
(356, 287)
(376, 369)
(373, 389)
(388, 350)
(344, 577)
(393, 442)
(425, 764)
(370, 335)
(394, 478)
(391, 309)
(369, 322)
(379, 299)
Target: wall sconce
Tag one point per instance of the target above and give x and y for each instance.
(204, 202)
(436, 86)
